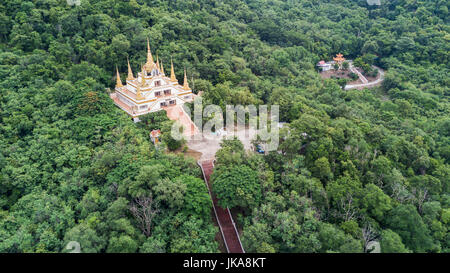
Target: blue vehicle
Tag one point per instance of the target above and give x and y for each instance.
(259, 149)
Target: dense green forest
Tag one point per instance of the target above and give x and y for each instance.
(374, 164)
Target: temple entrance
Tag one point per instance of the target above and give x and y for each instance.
(168, 103)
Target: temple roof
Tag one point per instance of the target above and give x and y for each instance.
(149, 71)
(339, 58)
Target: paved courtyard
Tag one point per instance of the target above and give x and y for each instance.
(209, 143)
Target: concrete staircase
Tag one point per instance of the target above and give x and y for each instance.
(178, 114)
(224, 219)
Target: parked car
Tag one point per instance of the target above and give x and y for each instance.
(259, 149)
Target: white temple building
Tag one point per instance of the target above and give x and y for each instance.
(151, 90)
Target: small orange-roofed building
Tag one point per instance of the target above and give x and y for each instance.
(154, 136)
(339, 59)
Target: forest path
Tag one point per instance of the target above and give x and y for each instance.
(361, 76)
(365, 83)
(226, 224)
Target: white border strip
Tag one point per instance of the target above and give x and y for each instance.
(215, 212)
(234, 224)
(235, 229)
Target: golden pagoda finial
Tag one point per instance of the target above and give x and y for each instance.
(118, 81)
(138, 93)
(185, 83)
(162, 68)
(130, 72)
(157, 63)
(138, 88)
(143, 76)
(149, 53)
(172, 72)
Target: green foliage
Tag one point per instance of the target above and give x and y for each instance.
(153, 121)
(72, 164)
(153, 245)
(406, 221)
(122, 244)
(194, 237)
(237, 186)
(172, 143)
(345, 65)
(392, 243)
(89, 240)
(376, 202)
(322, 169)
(196, 197)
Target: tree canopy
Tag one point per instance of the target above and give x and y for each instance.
(352, 166)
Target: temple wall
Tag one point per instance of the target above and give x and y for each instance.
(125, 100)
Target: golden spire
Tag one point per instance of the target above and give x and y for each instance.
(149, 53)
(185, 84)
(162, 68)
(130, 72)
(172, 72)
(138, 89)
(157, 63)
(143, 76)
(118, 81)
(138, 93)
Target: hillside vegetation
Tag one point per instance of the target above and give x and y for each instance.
(374, 164)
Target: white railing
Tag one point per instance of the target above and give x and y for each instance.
(235, 230)
(215, 212)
